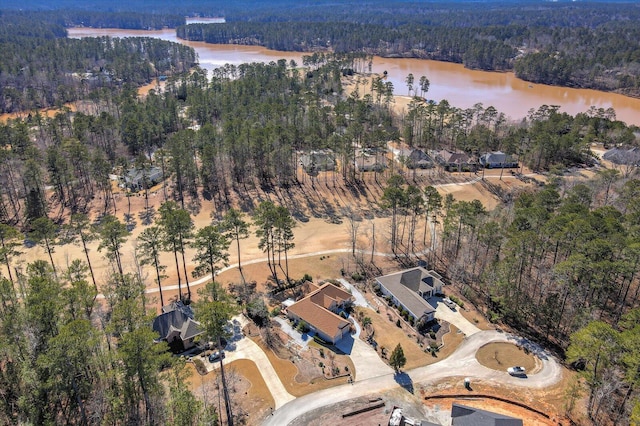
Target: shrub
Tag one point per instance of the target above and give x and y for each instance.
(457, 301)
(493, 316)
(303, 327)
(432, 334)
(321, 364)
(398, 323)
(276, 311)
(200, 367)
(356, 276)
(321, 352)
(307, 277)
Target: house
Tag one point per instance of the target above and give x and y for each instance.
(410, 290)
(177, 326)
(368, 161)
(320, 309)
(318, 161)
(418, 159)
(137, 179)
(497, 160)
(461, 415)
(624, 156)
(455, 161)
(413, 158)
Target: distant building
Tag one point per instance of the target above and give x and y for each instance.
(318, 161)
(455, 161)
(461, 415)
(370, 161)
(410, 289)
(413, 158)
(137, 179)
(497, 160)
(623, 156)
(177, 326)
(320, 309)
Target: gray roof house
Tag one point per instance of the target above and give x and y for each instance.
(370, 162)
(410, 289)
(496, 160)
(625, 156)
(177, 326)
(136, 179)
(461, 415)
(318, 161)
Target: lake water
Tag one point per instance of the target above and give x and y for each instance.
(461, 87)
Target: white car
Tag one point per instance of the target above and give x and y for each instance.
(516, 371)
(450, 303)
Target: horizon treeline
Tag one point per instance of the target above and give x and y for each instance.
(587, 44)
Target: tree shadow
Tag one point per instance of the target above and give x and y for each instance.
(147, 215)
(404, 380)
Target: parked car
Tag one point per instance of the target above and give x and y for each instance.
(216, 356)
(516, 371)
(450, 303)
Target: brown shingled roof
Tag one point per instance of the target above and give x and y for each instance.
(313, 309)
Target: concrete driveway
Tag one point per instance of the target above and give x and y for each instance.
(367, 362)
(445, 313)
(245, 348)
(359, 298)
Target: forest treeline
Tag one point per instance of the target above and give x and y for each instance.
(548, 261)
(40, 67)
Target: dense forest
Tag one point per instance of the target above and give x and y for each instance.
(40, 67)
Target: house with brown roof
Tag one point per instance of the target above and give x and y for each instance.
(410, 290)
(320, 309)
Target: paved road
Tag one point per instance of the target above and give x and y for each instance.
(461, 363)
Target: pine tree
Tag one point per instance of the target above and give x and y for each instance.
(397, 360)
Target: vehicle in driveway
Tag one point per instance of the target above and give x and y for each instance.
(516, 371)
(216, 356)
(450, 303)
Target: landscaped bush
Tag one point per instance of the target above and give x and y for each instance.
(432, 334)
(303, 327)
(200, 367)
(307, 277)
(357, 276)
(377, 290)
(276, 311)
(457, 301)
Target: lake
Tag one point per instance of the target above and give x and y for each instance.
(460, 86)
